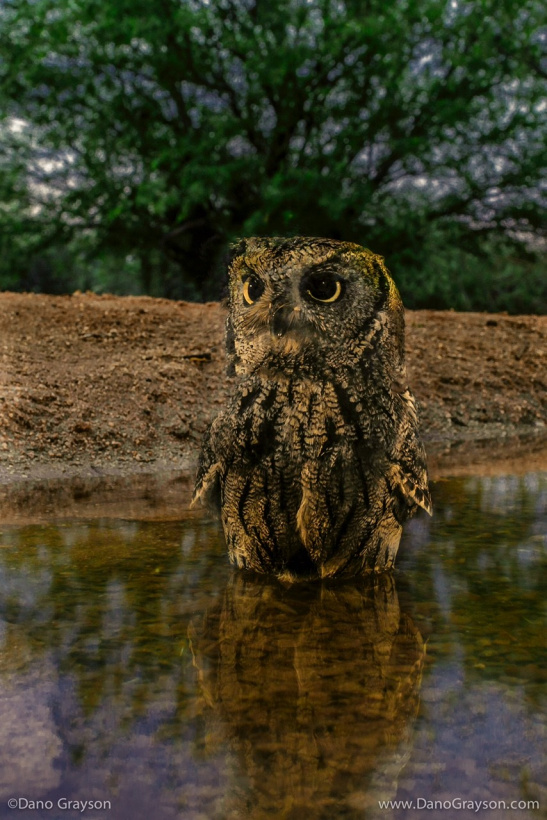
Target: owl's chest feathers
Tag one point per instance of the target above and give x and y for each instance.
(303, 464)
(287, 421)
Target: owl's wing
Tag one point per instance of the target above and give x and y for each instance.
(207, 486)
(408, 473)
(413, 487)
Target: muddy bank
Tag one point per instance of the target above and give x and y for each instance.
(149, 493)
(101, 388)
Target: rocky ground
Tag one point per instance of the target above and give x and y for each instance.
(105, 386)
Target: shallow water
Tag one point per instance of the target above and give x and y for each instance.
(140, 673)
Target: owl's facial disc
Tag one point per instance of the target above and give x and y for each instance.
(271, 312)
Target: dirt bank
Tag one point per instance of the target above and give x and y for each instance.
(95, 386)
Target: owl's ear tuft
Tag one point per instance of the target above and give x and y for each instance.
(238, 248)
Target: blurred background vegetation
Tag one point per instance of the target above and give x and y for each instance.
(139, 138)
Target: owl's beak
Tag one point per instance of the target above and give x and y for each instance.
(284, 319)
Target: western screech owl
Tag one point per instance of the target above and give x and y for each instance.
(316, 461)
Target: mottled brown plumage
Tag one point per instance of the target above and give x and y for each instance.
(316, 460)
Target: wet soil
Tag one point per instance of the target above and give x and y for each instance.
(106, 387)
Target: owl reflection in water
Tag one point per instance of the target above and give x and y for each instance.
(316, 460)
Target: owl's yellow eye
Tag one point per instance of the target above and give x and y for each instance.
(253, 289)
(324, 287)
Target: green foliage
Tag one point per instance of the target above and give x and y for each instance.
(142, 138)
(449, 267)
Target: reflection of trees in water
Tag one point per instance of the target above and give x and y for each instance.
(108, 601)
(479, 568)
(306, 693)
(315, 688)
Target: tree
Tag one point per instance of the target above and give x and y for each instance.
(161, 131)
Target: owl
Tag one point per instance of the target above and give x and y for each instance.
(316, 461)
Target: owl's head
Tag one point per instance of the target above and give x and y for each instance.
(303, 303)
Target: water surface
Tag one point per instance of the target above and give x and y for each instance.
(139, 672)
